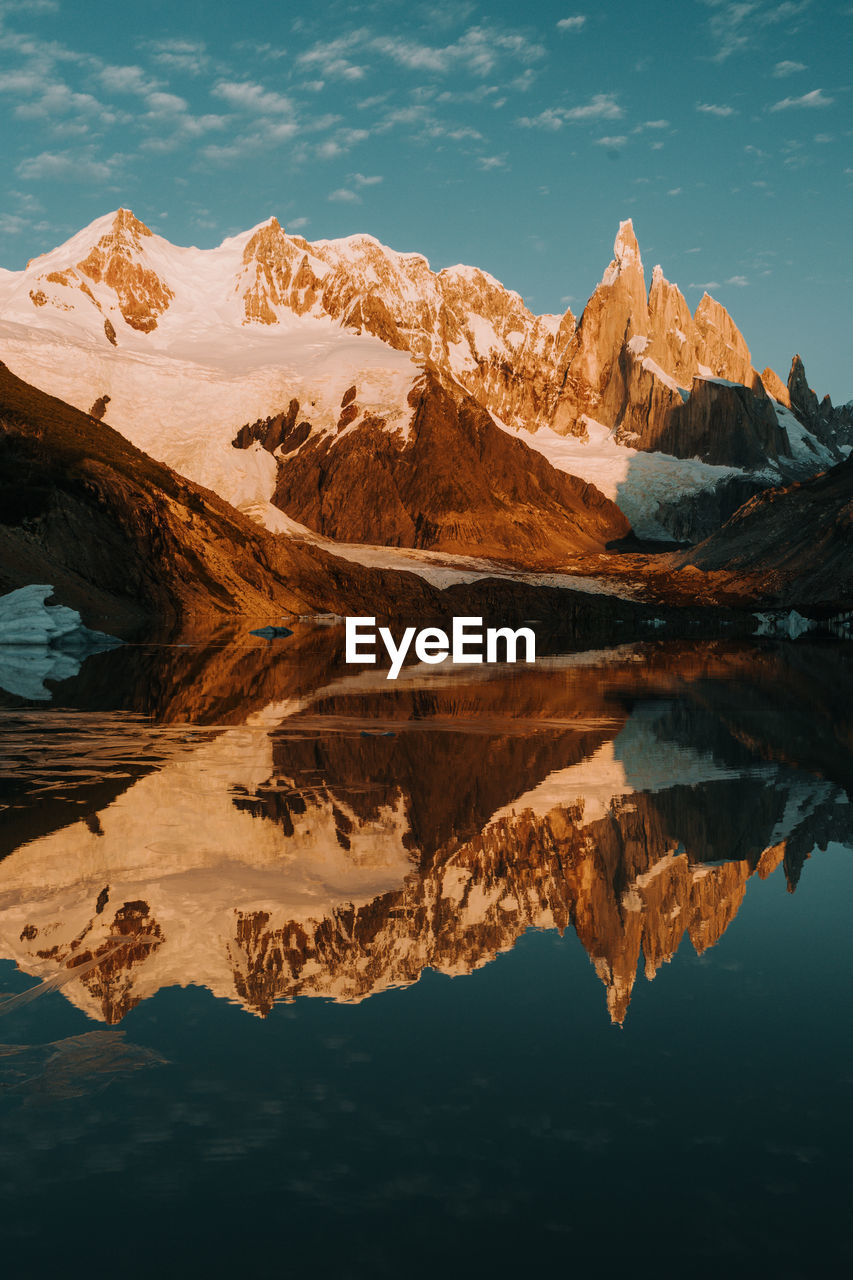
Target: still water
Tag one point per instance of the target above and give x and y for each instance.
(471, 974)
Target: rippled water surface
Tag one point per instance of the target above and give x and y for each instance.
(475, 973)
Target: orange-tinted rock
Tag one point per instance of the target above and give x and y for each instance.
(457, 483)
(141, 295)
(616, 313)
(775, 387)
(722, 347)
(673, 335)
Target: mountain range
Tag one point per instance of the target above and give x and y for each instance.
(383, 417)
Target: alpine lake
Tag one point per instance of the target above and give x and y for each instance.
(485, 971)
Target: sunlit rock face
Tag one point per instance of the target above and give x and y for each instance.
(450, 481)
(114, 275)
(190, 349)
(615, 317)
(525, 369)
(674, 336)
(307, 853)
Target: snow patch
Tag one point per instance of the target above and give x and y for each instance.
(636, 480)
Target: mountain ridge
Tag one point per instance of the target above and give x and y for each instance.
(194, 354)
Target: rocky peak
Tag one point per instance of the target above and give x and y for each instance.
(267, 242)
(775, 387)
(673, 336)
(803, 400)
(125, 220)
(117, 261)
(721, 347)
(626, 253)
(616, 314)
(271, 263)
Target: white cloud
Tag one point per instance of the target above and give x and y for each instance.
(58, 102)
(478, 51)
(525, 81)
(165, 104)
(127, 80)
(183, 128)
(344, 196)
(708, 286)
(674, 191)
(461, 133)
(419, 114)
(740, 281)
(25, 81)
(12, 224)
(247, 96)
(330, 150)
(817, 98)
(788, 68)
(612, 142)
(713, 109)
(365, 180)
(488, 163)
(572, 24)
(266, 134)
(548, 119)
(28, 7)
(732, 26)
(66, 166)
(350, 137)
(187, 56)
(296, 224)
(376, 100)
(602, 106)
(737, 25)
(786, 11)
(330, 57)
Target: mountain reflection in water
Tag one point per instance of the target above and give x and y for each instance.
(265, 823)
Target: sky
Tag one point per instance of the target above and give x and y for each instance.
(511, 137)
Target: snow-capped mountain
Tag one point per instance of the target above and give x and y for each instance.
(188, 352)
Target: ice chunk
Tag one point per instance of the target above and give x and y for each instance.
(40, 642)
(26, 619)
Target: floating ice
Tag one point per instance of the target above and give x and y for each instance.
(41, 642)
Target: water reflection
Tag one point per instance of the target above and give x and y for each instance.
(262, 823)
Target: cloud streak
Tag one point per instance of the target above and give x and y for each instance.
(601, 106)
(817, 98)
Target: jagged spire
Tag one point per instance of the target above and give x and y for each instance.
(626, 250)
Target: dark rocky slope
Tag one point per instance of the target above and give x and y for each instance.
(790, 546)
(124, 538)
(457, 483)
(134, 546)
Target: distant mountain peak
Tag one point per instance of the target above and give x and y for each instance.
(126, 220)
(625, 246)
(626, 257)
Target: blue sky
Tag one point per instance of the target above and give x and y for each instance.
(514, 137)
